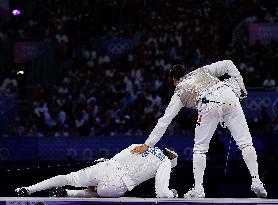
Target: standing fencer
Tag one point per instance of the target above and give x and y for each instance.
(112, 178)
(216, 101)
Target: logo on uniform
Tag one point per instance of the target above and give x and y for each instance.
(154, 151)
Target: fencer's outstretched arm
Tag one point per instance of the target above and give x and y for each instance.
(171, 111)
(226, 67)
(162, 179)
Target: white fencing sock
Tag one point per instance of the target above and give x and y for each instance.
(250, 158)
(81, 193)
(58, 181)
(199, 166)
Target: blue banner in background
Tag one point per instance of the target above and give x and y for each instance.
(116, 46)
(91, 148)
(256, 100)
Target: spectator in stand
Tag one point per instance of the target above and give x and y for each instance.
(79, 98)
(269, 81)
(9, 86)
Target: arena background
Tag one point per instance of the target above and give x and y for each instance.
(82, 80)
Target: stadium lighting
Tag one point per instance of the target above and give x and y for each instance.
(21, 72)
(16, 12)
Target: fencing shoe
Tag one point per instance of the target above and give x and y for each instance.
(195, 193)
(258, 187)
(22, 192)
(175, 193)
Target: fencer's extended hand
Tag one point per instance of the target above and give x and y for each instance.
(140, 149)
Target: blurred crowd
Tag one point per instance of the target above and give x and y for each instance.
(102, 96)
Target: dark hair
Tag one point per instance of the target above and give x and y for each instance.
(178, 71)
(170, 154)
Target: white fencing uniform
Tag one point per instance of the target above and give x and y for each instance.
(203, 83)
(116, 176)
(230, 113)
(216, 102)
(139, 168)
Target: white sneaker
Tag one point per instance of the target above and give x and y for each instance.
(175, 193)
(195, 193)
(258, 187)
(23, 192)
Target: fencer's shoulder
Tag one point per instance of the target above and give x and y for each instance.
(180, 86)
(225, 60)
(188, 76)
(196, 71)
(222, 62)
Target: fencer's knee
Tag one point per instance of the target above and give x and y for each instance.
(109, 191)
(199, 151)
(198, 155)
(244, 146)
(247, 150)
(200, 148)
(105, 192)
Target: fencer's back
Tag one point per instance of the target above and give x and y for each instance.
(140, 167)
(191, 86)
